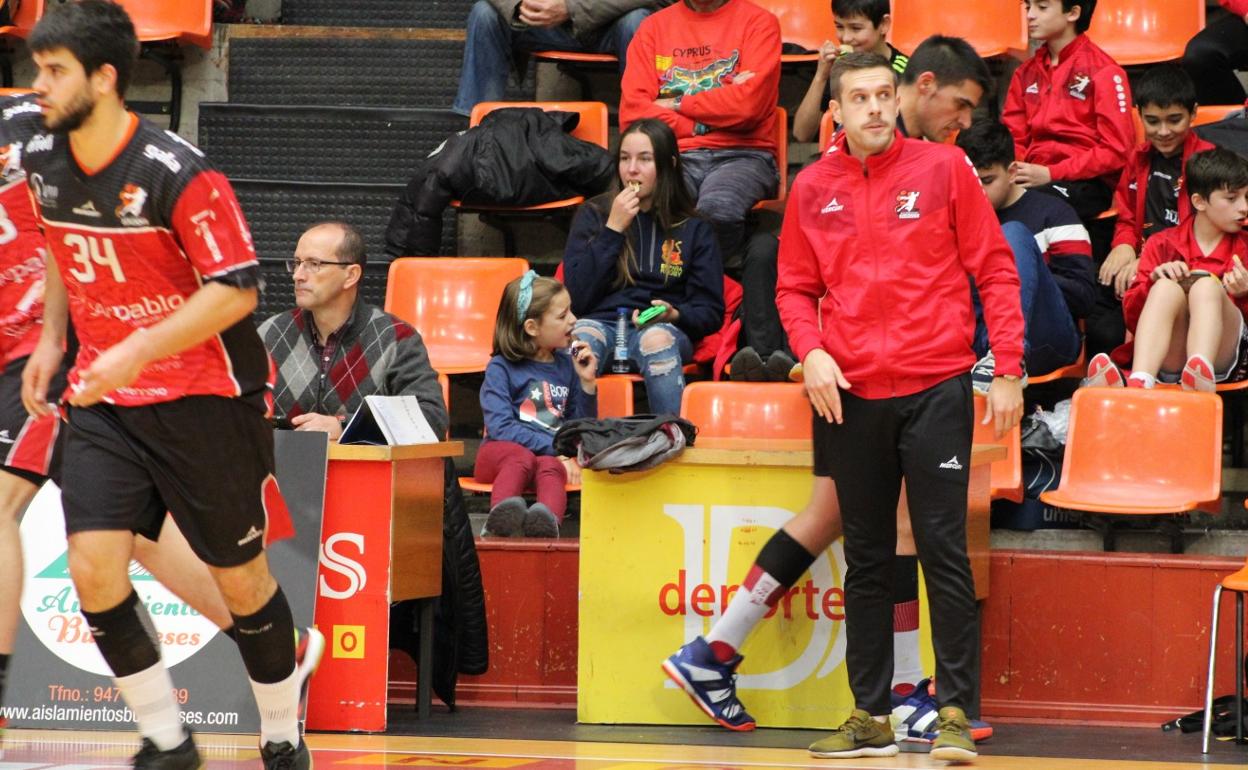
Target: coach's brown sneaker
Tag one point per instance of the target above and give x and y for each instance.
(860, 736)
(953, 739)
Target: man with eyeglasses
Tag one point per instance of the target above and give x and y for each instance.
(333, 349)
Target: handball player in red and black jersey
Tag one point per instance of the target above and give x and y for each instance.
(30, 447)
(149, 255)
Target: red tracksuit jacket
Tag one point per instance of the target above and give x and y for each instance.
(1237, 7)
(697, 56)
(1074, 118)
(1132, 187)
(1179, 244)
(874, 261)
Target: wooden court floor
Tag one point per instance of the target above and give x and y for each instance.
(65, 750)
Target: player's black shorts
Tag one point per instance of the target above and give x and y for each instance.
(208, 460)
(30, 447)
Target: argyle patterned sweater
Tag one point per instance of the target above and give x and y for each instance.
(376, 354)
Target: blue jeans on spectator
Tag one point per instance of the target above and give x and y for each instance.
(658, 351)
(725, 185)
(1051, 339)
(491, 41)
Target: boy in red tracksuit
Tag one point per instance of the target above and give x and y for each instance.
(1190, 294)
(1068, 109)
(878, 239)
(1152, 193)
(710, 69)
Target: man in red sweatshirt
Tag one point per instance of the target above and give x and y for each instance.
(710, 69)
(1216, 52)
(879, 236)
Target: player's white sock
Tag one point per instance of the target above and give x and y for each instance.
(750, 604)
(278, 704)
(149, 694)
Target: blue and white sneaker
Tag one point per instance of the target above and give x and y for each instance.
(915, 715)
(710, 684)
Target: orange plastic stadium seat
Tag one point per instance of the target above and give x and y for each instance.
(827, 129)
(184, 21)
(1146, 31)
(452, 302)
(764, 410)
(1237, 582)
(1075, 370)
(1212, 113)
(782, 163)
(615, 396)
(24, 17)
(592, 127)
(802, 22)
(1174, 460)
(576, 57)
(992, 27)
(1006, 476)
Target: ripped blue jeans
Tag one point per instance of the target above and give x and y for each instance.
(658, 351)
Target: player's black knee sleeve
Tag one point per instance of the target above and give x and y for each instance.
(266, 640)
(125, 636)
(784, 558)
(905, 579)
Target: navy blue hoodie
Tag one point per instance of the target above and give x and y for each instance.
(682, 268)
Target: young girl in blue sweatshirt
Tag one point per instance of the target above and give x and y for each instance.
(640, 247)
(537, 378)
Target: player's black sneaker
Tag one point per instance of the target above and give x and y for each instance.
(184, 757)
(283, 756)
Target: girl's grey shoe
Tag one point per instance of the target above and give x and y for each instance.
(506, 519)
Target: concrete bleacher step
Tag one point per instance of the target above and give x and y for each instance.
(348, 66)
(322, 144)
(446, 14)
(279, 211)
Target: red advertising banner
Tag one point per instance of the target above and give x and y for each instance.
(353, 599)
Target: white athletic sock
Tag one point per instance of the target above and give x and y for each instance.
(907, 667)
(1144, 377)
(750, 604)
(149, 694)
(278, 704)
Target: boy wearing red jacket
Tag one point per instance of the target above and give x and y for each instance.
(1216, 52)
(1068, 109)
(710, 69)
(879, 236)
(1152, 193)
(1190, 293)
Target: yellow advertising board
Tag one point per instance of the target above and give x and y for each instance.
(661, 554)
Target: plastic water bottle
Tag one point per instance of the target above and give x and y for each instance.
(619, 364)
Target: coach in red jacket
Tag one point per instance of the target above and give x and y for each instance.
(878, 239)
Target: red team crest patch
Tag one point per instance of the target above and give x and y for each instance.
(908, 204)
(1078, 83)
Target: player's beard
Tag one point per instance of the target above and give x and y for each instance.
(74, 114)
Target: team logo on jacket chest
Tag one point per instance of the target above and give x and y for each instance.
(908, 204)
(1077, 85)
(130, 211)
